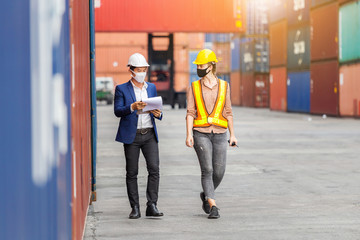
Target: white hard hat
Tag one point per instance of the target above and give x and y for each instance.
(137, 60)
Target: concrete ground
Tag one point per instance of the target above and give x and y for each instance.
(294, 176)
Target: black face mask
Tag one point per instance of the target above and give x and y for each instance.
(202, 72)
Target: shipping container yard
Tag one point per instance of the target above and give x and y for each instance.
(61, 61)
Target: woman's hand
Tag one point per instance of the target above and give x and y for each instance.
(232, 140)
(189, 141)
(138, 105)
(156, 112)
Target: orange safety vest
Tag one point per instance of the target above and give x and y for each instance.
(215, 118)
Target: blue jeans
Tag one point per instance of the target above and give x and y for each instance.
(211, 151)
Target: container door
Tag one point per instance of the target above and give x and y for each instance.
(298, 92)
(324, 88)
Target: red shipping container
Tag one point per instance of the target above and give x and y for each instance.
(262, 90)
(114, 59)
(324, 32)
(235, 84)
(247, 90)
(324, 84)
(80, 115)
(223, 54)
(278, 89)
(181, 81)
(181, 59)
(181, 39)
(121, 39)
(350, 90)
(254, 90)
(278, 43)
(170, 16)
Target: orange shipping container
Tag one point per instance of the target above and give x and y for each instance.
(278, 88)
(181, 81)
(222, 51)
(235, 84)
(196, 40)
(181, 59)
(278, 44)
(181, 39)
(350, 90)
(121, 39)
(114, 59)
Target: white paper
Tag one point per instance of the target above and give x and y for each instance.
(152, 103)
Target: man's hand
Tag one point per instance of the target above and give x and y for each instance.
(156, 112)
(138, 105)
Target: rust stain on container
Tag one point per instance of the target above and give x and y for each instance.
(278, 44)
(349, 90)
(324, 98)
(278, 89)
(235, 85)
(324, 32)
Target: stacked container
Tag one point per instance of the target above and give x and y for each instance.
(113, 51)
(235, 80)
(298, 56)
(349, 58)
(324, 82)
(254, 57)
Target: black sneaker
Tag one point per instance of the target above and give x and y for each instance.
(214, 213)
(205, 205)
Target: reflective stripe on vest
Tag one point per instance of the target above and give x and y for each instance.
(216, 118)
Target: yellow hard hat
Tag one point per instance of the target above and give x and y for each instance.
(205, 56)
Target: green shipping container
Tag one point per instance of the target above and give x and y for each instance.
(349, 34)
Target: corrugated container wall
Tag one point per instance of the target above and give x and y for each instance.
(315, 3)
(278, 43)
(298, 12)
(257, 17)
(170, 16)
(277, 10)
(35, 140)
(349, 32)
(278, 89)
(235, 85)
(298, 92)
(324, 32)
(350, 90)
(81, 122)
(235, 54)
(223, 54)
(254, 90)
(298, 48)
(255, 55)
(324, 88)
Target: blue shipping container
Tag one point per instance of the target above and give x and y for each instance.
(298, 48)
(192, 58)
(298, 12)
(193, 78)
(298, 92)
(235, 54)
(225, 77)
(254, 55)
(217, 37)
(277, 10)
(35, 124)
(257, 17)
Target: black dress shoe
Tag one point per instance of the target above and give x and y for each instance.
(152, 211)
(205, 204)
(214, 213)
(135, 213)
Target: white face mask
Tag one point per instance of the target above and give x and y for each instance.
(139, 76)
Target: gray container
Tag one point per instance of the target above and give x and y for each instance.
(298, 48)
(254, 54)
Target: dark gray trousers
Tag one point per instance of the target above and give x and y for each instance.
(211, 151)
(149, 147)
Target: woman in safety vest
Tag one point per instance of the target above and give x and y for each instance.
(209, 115)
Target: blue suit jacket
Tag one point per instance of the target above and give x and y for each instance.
(124, 97)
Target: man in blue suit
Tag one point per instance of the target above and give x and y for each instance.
(137, 130)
